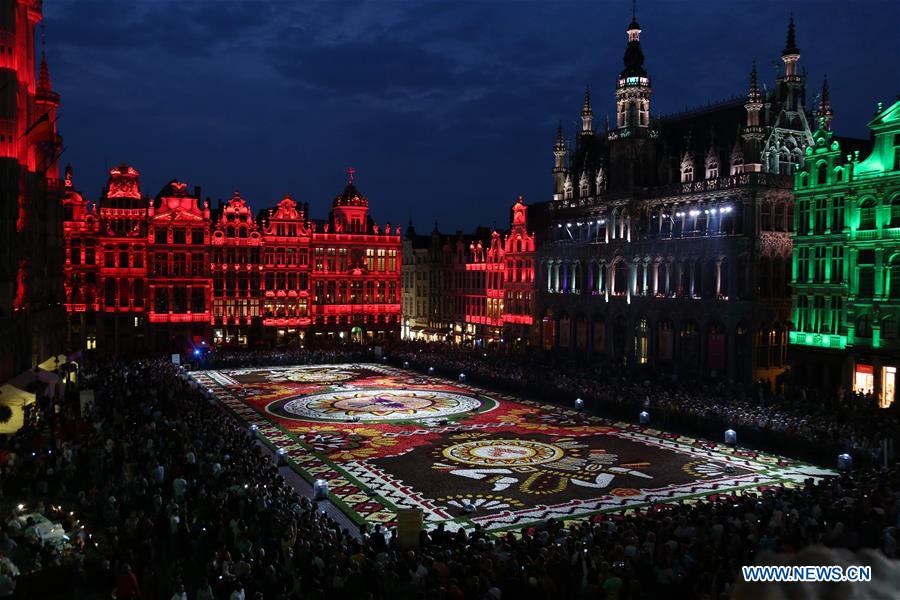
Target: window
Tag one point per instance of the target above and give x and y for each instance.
(895, 212)
(889, 328)
(837, 214)
(819, 324)
(161, 300)
(803, 217)
(802, 313)
(822, 174)
(802, 265)
(198, 305)
(819, 264)
(179, 300)
(867, 214)
(897, 151)
(765, 216)
(179, 236)
(893, 290)
(821, 216)
(866, 273)
(160, 236)
(837, 264)
(864, 326)
(837, 306)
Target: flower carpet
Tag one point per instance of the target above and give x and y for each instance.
(387, 439)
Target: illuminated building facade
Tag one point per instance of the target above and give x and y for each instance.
(435, 284)
(846, 260)
(166, 273)
(473, 289)
(31, 313)
(499, 300)
(667, 241)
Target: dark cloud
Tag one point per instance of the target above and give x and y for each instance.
(448, 109)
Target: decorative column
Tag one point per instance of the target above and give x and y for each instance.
(644, 286)
(691, 277)
(718, 277)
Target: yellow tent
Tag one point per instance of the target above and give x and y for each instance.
(16, 396)
(16, 399)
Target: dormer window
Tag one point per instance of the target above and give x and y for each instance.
(822, 174)
(583, 190)
(712, 167)
(687, 169)
(737, 163)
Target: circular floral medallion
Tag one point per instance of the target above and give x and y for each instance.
(503, 452)
(313, 375)
(372, 405)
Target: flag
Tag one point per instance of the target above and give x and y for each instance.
(41, 130)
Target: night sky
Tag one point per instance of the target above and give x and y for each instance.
(447, 110)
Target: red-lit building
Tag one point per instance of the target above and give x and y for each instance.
(237, 274)
(165, 273)
(499, 285)
(32, 319)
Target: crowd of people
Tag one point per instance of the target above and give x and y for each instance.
(166, 495)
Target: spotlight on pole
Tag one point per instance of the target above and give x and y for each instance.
(431, 370)
(280, 457)
(845, 462)
(462, 377)
(406, 364)
(254, 431)
(730, 437)
(320, 490)
(579, 404)
(644, 417)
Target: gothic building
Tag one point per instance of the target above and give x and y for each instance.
(846, 282)
(667, 241)
(32, 320)
(168, 272)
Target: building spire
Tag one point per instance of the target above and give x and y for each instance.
(350, 172)
(825, 113)
(790, 47)
(587, 115)
(560, 142)
(753, 94)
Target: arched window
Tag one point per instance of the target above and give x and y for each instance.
(620, 285)
(893, 290)
(895, 212)
(687, 168)
(867, 214)
(822, 174)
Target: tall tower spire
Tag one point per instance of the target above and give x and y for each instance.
(559, 163)
(824, 113)
(753, 131)
(633, 86)
(587, 115)
(791, 53)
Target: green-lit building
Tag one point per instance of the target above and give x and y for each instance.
(846, 259)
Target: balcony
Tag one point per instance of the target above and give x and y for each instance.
(821, 340)
(202, 317)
